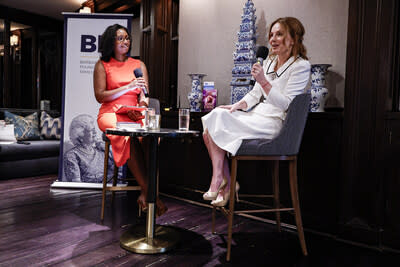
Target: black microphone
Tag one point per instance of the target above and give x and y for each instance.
(138, 73)
(261, 55)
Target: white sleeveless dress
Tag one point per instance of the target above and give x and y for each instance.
(261, 119)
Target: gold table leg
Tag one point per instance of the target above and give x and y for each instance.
(150, 239)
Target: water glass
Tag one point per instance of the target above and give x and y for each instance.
(184, 118)
(154, 122)
(147, 113)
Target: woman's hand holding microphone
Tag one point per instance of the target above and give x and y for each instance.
(138, 82)
(257, 72)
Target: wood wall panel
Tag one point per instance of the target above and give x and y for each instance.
(369, 73)
(161, 60)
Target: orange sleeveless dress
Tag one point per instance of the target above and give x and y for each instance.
(118, 74)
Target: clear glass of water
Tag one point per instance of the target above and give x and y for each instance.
(154, 122)
(184, 118)
(147, 113)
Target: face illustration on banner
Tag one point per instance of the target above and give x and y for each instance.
(83, 162)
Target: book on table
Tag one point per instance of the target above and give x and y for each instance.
(125, 125)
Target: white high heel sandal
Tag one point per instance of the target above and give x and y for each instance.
(209, 195)
(222, 201)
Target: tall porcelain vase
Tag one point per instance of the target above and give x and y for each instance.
(319, 92)
(196, 94)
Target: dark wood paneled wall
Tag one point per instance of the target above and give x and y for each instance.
(159, 47)
(371, 48)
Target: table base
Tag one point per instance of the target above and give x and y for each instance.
(135, 240)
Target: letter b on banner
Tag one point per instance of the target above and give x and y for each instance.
(88, 43)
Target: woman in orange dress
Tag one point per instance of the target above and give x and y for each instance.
(115, 85)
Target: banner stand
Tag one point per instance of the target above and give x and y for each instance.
(81, 161)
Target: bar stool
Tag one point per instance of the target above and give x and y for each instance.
(107, 186)
(284, 147)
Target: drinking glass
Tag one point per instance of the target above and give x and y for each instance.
(154, 122)
(147, 113)
(184, 117)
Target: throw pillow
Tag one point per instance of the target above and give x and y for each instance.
(25, 128)
(50, 128)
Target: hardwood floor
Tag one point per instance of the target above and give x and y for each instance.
(40, 226)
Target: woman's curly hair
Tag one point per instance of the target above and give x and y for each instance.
(107, 41)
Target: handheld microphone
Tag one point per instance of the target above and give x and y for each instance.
(138, 73)
(261, 55)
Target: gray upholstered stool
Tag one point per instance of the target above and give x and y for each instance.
(283, 147)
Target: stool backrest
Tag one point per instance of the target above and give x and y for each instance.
(289, 138)
(154, 103)
(288, 141)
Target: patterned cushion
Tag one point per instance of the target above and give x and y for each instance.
(50, 127)
(25, 128)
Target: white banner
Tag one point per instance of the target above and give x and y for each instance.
(82, 148)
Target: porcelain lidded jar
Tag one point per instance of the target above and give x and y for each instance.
(319, 92)
(195, 96)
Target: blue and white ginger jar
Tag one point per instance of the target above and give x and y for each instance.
(195, 96)
(319, 92)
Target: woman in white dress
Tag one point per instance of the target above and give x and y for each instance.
(260, 113)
